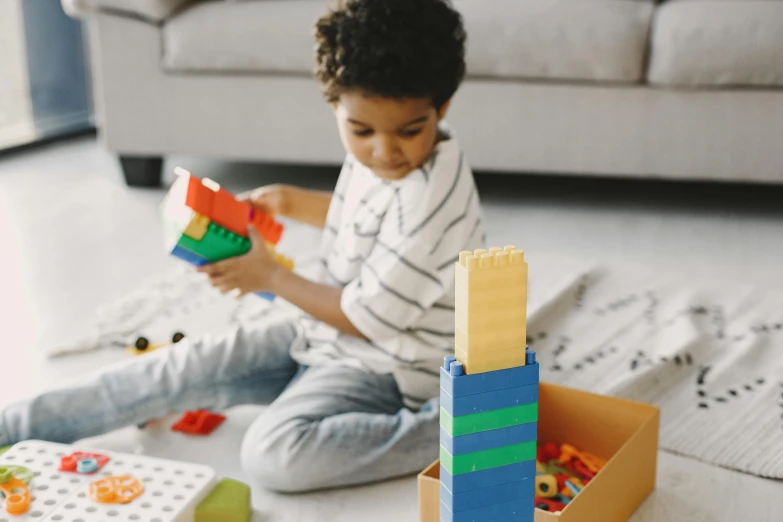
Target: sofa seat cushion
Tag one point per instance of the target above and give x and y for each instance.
(718, 43)
(573, 40)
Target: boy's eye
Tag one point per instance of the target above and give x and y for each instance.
(363, 132)
(409, 133)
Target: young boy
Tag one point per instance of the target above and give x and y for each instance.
(352, 382)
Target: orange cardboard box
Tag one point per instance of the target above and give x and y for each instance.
(624, 433)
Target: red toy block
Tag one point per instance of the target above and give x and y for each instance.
(230, 213)
(199, 198)
(266, 225)
(547, 504)
(70, 462)
(200, 422)
(550, 451)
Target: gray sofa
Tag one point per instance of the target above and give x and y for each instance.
(687, 89)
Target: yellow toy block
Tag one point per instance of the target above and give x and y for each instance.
(197, 227)
(489, 340)
(491, 309)
(480, 362)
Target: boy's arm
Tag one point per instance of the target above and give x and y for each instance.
(306, 206)
(257, 271)
(318, 300)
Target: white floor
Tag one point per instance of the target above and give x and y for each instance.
(72, 237)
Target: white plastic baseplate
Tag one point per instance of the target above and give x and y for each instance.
(172, 490)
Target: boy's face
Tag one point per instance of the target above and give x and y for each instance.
(390, 137)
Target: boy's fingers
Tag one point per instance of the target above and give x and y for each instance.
(255, 237)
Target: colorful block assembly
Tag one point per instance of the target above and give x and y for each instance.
(489, 395)
(204, 223)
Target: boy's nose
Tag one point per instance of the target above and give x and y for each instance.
(385, 149)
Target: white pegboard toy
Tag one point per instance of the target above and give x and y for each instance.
(171, 490)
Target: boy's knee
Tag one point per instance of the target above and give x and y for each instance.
(274, 456)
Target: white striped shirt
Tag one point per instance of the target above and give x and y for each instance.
(391, 245)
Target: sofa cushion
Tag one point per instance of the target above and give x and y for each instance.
(717, 43)
(263, 36)
(583, 40)
(153, 10)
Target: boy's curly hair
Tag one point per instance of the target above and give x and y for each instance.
(391, 48)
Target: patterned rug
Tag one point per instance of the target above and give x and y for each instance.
(709, 353)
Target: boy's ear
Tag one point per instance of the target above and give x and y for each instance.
(333, 105)
(444, 109)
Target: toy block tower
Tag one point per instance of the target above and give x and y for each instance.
(204, 223)
(489, 395)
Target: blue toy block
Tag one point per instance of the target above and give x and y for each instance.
(486, 440)
(487, 477)
(500, 494)
(488, 401)
(489, 381)
(522, 510)
(187, 255)
(530, 357)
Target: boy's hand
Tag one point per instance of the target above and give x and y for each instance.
(270, 199)
(252, 272)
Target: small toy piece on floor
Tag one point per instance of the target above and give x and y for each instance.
(17, 496)
(561, 473)
(228, 502)
(83, 463)
(199, 422)
(142, 344)
(116, 489)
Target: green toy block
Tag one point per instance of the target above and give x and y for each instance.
(494, 458)
(489, 420)
(228, 502)
(217, 244)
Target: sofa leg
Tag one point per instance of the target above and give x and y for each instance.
(142, 171)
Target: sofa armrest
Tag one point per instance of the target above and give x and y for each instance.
(152, 10)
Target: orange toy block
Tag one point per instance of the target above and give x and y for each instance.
(17, 496)
(116, 489)
(266, 225)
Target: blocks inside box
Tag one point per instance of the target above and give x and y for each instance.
(624, 433)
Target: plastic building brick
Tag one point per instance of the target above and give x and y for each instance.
(494, 458)
(116, 490)
(481, 402)
(491, 309)
(19, 472)
(489, 394)
(266, 225)
(228, 502)
(520, 510)
(87, 466)
(491, 439)
(17, 496)
(228, 212)
(489, 420)
(546, 486)
(460, 384)
(199, 422)
(506, 492)
(70, 463)
(217, 244)
(173, 490)
(197, 227)
(488, 477)
(188, 256)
